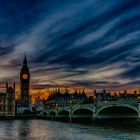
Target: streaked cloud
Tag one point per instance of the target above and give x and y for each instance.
(89, 43)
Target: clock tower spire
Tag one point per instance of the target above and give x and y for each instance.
(25, 60)
(24, 83)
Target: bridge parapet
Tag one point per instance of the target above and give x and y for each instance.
(95, 108)
(118, 102)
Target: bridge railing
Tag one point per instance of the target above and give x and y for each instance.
(119, 101)
(98, 104)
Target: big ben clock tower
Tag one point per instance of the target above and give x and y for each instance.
(24, 83)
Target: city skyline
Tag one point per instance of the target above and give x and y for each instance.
(71, 44)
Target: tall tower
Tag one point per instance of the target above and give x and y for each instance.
(24, 83)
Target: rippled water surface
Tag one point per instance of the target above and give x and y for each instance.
(49, 130)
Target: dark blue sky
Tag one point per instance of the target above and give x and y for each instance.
(71, 42)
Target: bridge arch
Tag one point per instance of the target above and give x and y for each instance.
(82, 113)
(82, 108)
(63, 113)
(117, 111)
(52, 113)
(63, 110)
(44, 113)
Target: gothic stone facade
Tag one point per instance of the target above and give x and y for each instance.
(7, 101)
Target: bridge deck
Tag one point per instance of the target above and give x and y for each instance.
(95, 109)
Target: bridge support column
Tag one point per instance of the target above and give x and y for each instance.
(56, 116)
(94, 112)
(70, 115)
(52, 117)
(139, 111)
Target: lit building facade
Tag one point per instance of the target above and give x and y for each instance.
(57, 99)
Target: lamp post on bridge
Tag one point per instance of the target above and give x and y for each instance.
(54, 116)
(70, 102)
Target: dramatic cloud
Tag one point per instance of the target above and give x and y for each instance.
(90, 43)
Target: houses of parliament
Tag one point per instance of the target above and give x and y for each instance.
(8, 104)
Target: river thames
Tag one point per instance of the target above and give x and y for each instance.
(50, 130)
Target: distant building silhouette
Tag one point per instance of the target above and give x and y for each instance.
(106, 96)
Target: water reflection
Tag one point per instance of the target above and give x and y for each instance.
(7, 128)
(48, 130)
(24, 129)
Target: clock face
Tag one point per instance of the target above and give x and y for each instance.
(25, 76)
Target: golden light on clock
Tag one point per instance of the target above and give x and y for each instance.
(25, 76)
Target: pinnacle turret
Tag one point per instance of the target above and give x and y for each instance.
(25, 60)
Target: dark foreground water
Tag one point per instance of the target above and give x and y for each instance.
(49, 130)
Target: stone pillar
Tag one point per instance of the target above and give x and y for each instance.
(139, 111)
(70, 115)
(57, 115)
(52, 117)
(94, 112)
(6, 106)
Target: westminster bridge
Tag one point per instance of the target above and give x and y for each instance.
(100, 110)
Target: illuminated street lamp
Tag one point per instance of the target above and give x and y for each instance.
(70, 102)
(56, 105)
